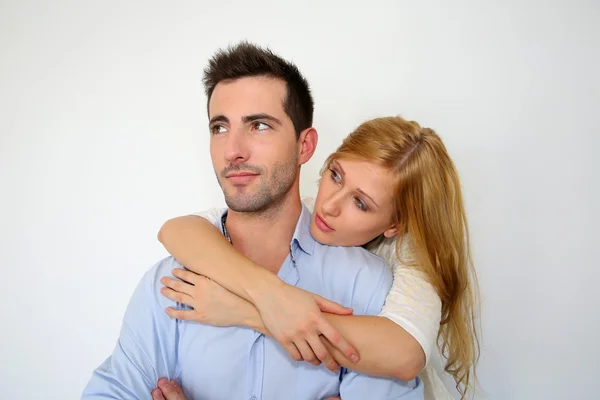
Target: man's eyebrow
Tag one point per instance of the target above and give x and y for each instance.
(218, 118)
(255, 117)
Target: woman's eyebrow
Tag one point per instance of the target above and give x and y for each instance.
(369, 197)
(337, 164)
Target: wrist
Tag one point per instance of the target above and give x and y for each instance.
(256, 323)
(264, 285)
(253, 320)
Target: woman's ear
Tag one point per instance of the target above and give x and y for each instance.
(307, 144)
(392, 231)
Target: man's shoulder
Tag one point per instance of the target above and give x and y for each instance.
(147, 298)
(162, 268)
(355, 258)
(150, 282)
(360, 278)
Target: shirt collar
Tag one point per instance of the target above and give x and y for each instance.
(302, 234)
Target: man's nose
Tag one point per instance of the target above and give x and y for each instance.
(236, 148)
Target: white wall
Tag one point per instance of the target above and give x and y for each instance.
(103, 137)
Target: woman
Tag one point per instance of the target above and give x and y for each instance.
(418, 224)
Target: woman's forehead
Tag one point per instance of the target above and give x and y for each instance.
(369, 177)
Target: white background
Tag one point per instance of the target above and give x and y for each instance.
(104, 136)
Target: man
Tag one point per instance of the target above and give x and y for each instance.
(260, 111)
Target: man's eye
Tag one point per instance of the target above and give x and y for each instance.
(217, 129)
(260, 126)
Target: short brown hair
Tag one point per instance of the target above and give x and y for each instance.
(246, 60)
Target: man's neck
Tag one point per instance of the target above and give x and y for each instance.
(265, 237)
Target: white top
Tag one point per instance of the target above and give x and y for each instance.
(412, 303)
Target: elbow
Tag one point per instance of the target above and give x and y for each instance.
(409, 365)
(160, 234)
(164, 231)
(407, 372)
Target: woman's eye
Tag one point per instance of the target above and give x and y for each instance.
(260, 126)
(217, 129)
(360, 204)
(335, 176)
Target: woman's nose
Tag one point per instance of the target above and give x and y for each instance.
(331, 206)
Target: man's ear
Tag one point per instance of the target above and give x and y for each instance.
(307, 144)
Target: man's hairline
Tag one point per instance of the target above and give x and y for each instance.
(264, 75)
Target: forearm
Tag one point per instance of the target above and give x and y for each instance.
(251, 319)
(201, 247)
(385, 348)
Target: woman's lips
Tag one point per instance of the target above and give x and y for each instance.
(322, 225)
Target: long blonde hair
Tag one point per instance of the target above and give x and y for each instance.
(429, 209)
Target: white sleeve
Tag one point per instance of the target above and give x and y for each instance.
(412, 301)
(309, 202)
(212, 215)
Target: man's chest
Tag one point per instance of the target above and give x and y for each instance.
(235, 363)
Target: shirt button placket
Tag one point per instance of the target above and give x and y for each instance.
(254, 379)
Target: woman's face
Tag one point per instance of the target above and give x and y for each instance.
(354, 204)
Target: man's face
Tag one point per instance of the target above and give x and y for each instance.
(253, 143)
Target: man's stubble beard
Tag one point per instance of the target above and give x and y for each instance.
(270, 195)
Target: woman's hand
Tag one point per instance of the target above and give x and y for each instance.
(212, 304)
(290, 315)
(295, 319)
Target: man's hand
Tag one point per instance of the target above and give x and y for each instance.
(168, 390)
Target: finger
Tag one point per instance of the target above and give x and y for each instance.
(162, 382)
(338, 341)
(157, 394)
(331, 306)
(176, 296)
(307, 353)
(176, 285)
(292, 350)
(171, 391)
(176, 387)
(184, 315)
(334, 398)
(188, 276)
(322, 354)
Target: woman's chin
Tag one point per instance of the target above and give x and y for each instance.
(320, 236)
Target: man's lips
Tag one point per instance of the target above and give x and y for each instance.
(240, 178)
(322, 225)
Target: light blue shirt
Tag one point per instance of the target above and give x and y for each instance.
(228, 363)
